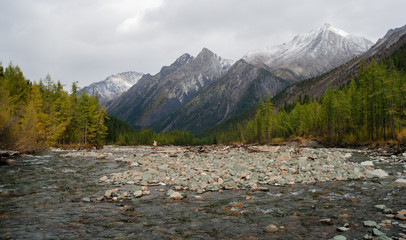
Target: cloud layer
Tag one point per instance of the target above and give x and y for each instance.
(87, 41)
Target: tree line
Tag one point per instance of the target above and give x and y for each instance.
(369, 108)
(35, 116)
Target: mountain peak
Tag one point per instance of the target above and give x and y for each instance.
(330, 28)
(184, 58)
(205, 53)
(311, 54)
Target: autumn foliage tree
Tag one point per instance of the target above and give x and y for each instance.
(35, 116)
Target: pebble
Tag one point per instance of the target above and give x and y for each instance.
(343, 229)
(370, 223)
(367, 163)
(378, 173)
(271, 228)
(380, 206)
(86, 199)
(103, 179)
(400, 181)
(176, 196)
(339, 237)
(401, 215)
(326, 221)
(138, 193)
(376, 232)
(383, 237)
(402, 226)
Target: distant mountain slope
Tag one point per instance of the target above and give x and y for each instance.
(310, 54)
(315, 87)
(155, 97)
(112, 86)
(238, 90)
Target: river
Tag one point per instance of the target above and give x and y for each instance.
(46, 197)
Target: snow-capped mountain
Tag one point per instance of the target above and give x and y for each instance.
(112, 86)
(310, 54)
(393, 42)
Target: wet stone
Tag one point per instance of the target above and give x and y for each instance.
(383, 237)
(271, 228)
(378, 173)
(339, 237)
(370, 223)
(377, 232)
(138, 193)
(176, 196)
(380, 207)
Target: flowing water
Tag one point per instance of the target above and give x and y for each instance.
(41, 198)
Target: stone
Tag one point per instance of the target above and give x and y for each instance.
(383, 237)
(198, 197)
(326, 221)
(176, 196)
(339, 237)
(378, 173)
(169, 192)
(388, 211)
(343, 229)
(103, 179)
(271, 228)
(367, 163)
(138, 193)
(110, 193)
(101, 156)
(376, 232)
(380, 206)
(402, 225)
(348, 155)
(370, 224)
(401, 216)
(400, 181)
(86, 199)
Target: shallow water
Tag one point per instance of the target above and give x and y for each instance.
(41, 198)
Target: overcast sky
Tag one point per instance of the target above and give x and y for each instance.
(88, 40)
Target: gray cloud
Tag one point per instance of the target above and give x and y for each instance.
(87, 41)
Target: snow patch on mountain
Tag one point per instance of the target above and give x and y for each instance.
(313, 53)
(112, 86)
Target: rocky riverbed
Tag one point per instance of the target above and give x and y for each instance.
(205, 192)
(217, 168)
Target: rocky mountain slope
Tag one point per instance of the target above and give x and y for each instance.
(155, 97)
(238, 90)
(112, 86)
(310, 54)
